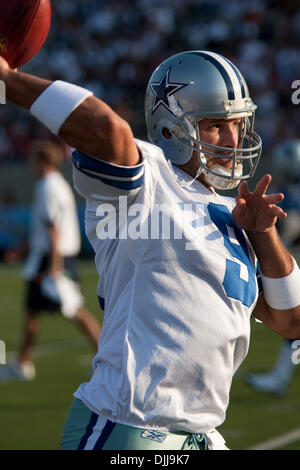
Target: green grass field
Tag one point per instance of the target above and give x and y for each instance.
(32, 414)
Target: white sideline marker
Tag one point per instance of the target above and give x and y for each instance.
(279, 441)
(49, 349)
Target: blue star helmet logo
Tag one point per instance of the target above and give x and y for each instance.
(163, 90)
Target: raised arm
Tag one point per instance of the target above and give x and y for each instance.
(93, 127)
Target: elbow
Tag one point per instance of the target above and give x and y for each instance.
(292, 331)
(111, 125)
(115, 135)
(95, 129)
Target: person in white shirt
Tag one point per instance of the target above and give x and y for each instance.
(177, 262)
(52, 281)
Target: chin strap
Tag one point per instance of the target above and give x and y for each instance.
(219, 182)
(184, 184)
(214, 181)
(189, 183)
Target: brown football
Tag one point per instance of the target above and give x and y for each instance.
(24, 26)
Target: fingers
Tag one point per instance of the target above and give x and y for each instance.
(240, 208)
(240, 200)
(277, 212)
(262, 185)
(273, 198)
(243, 189)
(260, 190)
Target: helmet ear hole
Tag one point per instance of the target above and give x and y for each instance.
(166, 133)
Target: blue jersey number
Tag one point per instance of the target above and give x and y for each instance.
(235, 287)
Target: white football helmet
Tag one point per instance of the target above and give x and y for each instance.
(286, 160)
(193, 85)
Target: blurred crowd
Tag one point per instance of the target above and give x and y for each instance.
(113, 47)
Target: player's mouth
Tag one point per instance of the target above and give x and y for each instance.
(225, 162)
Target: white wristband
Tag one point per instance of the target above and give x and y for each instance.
(57, 102)
(283, 293)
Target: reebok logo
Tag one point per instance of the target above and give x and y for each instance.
(154, 435)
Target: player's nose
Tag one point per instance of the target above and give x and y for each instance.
(229, 136)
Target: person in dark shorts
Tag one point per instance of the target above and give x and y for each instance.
(52, 281)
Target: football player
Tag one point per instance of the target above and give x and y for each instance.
(50, 271)
(176, 309)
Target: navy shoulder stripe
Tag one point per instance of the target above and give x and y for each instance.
(126, 185)
(81, 160)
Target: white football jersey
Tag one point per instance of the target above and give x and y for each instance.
(177, 284)
(53, 204)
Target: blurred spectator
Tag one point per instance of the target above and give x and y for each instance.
(13, 224)
(112, 47)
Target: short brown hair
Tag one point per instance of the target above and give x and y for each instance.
(46, 151)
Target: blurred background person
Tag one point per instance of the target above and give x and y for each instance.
(286, 170)
(50, 270)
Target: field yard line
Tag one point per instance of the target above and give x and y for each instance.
(279, 441)
(42, 350)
